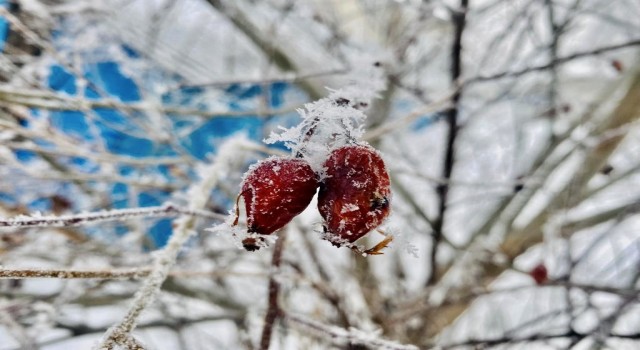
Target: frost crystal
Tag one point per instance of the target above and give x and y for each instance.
(333, 121)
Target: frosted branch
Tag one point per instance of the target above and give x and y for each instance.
(341, 336)
(17, 330)
(183, 230)
(392, 125)
(50, 101)
(288, 78)
(106, 158)
(166, 210)
(57, 175)
(113, 274)
(73, 274)
(553, 63)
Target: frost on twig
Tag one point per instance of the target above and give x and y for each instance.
(114, 273)
(334, 120)
(168, 209)
(341, 336)
(198, 195)
(17, 330)
(73, 274)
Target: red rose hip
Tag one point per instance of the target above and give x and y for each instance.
(539, 274)
(354, 195)
(275, 191)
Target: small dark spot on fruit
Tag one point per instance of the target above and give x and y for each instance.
(379, 203)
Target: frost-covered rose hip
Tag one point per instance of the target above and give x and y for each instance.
(275, 191)
(354, 195)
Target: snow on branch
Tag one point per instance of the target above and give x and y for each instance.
(341, 336)
(198, 195)
(58, 102)
(24, 221)
(73, 274)
(119, 273)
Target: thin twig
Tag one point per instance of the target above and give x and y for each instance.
(558, 61)
(106, 158)
(417, 305)
(165, 259)
(58, 102)
(273, 309)
(113, 274)
(459, 22)
(285, 79)
(484, 343)
(433, 107)
(341, 336)
(278, 56)
(74, 274)
(17, 330)
(168, 209)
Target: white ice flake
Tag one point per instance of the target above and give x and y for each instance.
(333, 121)
(349, 207)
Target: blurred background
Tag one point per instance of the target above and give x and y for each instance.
(509, 128)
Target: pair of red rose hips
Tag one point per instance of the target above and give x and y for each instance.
(353, 198)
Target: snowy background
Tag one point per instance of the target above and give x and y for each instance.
(509, 129)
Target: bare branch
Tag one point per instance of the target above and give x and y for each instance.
(558, 61)
(459, 22)
(532, 338)
(58, 102)
(294, 78)
(341, 336)
(273, 308)
(253, 33)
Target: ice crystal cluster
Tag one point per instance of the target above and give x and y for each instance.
(335, 120)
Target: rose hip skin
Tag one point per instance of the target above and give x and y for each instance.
(354, 196)
(275, 191)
